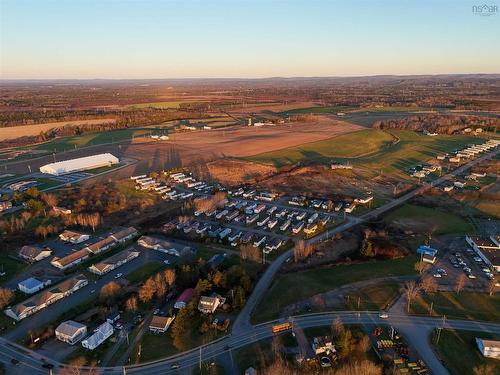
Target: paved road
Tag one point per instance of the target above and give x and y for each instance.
(243, 320)
(244, 333)
(32, 361)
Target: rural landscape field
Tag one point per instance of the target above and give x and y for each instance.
(249, 188)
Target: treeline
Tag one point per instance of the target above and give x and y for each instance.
(439, 123)
(124, 118)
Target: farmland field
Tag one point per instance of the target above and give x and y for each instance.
(344, 146)
(12, 132)
(322, 110)
(384, 154)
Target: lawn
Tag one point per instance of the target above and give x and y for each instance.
(349, 145)
(143, 272)
(258, 355)
(294, 287)
(373, 297)
(459, 351)
(10, 267)
(466, 305)
(427, 220)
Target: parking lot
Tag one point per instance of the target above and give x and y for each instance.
(456, 259)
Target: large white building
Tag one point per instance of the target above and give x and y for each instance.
(80, 164)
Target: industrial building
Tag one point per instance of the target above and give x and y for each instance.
(80, 164)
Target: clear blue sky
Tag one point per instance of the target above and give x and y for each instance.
(240, 38)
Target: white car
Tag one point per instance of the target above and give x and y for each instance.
(437, 275)
(118, 275)
(166, 261)
(383, 315)
(471, 276)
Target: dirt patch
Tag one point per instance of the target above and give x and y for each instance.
(237, 172)
(325, 182)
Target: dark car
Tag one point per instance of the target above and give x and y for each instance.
(14, 361)
(48, 366)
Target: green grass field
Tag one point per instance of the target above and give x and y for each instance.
(143, 272)
(412, 149)
(10, 267)
(373, 297)
(427, 220)
(91, 139)
(372, 149)
(297, 286)
(344, 146)
(466, 305)
(459, 351)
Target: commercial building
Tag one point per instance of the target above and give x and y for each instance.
(101, 334)
(489, 348)
(113, 262)
(34, 253)
(488, 249)
(80, 164)
(71, 332)
(45, 298)
(32, 285)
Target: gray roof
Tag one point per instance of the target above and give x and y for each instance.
(69, 328)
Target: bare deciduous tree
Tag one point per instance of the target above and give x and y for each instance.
(410, 291)
(428, 284)
(460, 283)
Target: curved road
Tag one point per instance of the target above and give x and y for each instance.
(186, 360)
(244, 333)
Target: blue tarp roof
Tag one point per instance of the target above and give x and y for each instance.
(31, 283)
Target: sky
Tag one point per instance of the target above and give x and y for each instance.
(68, 39)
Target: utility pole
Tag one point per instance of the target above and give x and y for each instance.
(200, 359)
(432, 305)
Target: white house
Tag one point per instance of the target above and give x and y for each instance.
(34, 253)
(73, 237)
(101, 334)
(71, 332)
(32, 285)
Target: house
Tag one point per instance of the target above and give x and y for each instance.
(101, 245)
(250, 371)
(160, 324)
(71, 332)
(310, 228)
(323, 345)
(113, 262)
(61, 210)
(32, 285)
(124, 234)
(5, 205)
(208, 305)
(34, 253)
(364, 200)
(350, 208)
(113, 318)
(101, 334)
(46, 297)
(155, 243)
(71, 259)
(73, 237)
(184, 298)
(489, 348)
